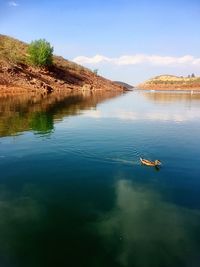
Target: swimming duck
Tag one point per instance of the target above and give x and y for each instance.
(150, 163)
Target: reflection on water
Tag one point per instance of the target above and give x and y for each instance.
(169, 96)
(26, 112)
(73, 191)
(153, 106)
(145, 230)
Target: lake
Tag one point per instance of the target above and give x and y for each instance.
(73, 191)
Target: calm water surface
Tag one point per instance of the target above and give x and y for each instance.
(73, 192)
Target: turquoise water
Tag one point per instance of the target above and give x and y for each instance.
(73, 192)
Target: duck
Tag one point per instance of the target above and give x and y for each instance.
(150, 163)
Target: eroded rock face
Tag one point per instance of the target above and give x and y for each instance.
(87, 87)
(35, 79)
(63, 75)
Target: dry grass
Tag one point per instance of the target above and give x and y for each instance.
(13, 51)
(170, 79)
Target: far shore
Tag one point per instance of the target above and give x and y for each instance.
(172, 83)
(171, 89)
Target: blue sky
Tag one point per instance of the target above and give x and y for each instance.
(126, 40)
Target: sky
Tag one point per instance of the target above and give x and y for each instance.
(126, 40)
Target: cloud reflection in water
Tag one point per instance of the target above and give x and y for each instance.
(151, 115)
(150, 231)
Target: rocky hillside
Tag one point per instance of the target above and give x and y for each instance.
(16, 76)
(170, 82)
(126, 85)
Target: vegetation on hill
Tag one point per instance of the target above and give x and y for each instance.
(40, 53)
(170, 79)
(12, 51)
(20, 70)
(172, 82)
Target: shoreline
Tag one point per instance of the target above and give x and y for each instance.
(172, 89)
(17, 90)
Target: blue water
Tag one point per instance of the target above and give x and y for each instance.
(72, 189)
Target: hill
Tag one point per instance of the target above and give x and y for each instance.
(126, 85)
(17, 76)
(171, 82)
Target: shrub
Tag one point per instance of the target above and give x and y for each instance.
(95, 71)
(40, 53)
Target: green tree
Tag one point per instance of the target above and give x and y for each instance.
(95, 71)
(40, 53)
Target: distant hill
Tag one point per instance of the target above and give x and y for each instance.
(17, 76)
(126, 85)
(171, 82)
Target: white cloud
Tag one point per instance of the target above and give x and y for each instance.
(91, 60)
(13, 4)
(139, 59)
